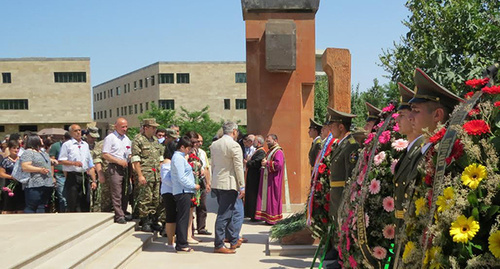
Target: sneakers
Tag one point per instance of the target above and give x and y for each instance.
(224, 250)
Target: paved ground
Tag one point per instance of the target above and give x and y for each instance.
(250, 255)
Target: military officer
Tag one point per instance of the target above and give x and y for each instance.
(102, 196)
(431, 105)
(314, 133)
(373, 117)
(147, 154)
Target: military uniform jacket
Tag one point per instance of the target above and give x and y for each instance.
(405, 174)
(315, 149)
(149, 153)
(96, 153)
(344, 158)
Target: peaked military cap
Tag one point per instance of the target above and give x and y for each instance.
(337, 116)
(314, 124)
(406, 96)
(171, 133)
(150, 122)
(373, 112)
(427, 89)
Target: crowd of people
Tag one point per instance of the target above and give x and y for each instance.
(159, 177)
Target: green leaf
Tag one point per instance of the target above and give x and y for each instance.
(472, 198)
(477, 246)
(492, 211)
(475, 213)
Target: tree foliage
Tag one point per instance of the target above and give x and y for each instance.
(451, 40)
(321, 95)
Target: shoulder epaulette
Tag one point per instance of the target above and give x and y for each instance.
(352, 140)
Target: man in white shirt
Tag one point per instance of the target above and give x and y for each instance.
(116, 150)
(77, 163)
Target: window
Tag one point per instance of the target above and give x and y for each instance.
(6, 78)
(105, 113)
(167, 104)
(241, 103)
(241, 77)
(152, 102)
(118, 112)
(100, 96)
(31, 128)
(135, 85)
(227, 104)
(13, 104)
(130, 110)
(152, 80)
(147, 105)
(135, 108)
(140, 84)
(166, 78)
(183, 78)
(110, 93)
(124, 110)
(128, 87)
(104, 95)
(2, 128)
(110, 113)
(65, 77)
(118, 91)
(100, 115)
(146, 82)
(95, 117)
(140, 108)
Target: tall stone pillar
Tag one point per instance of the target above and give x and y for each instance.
(337, 66)
(280, 40)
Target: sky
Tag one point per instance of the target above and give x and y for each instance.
(122, 36)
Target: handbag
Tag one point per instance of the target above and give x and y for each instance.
(18, 173)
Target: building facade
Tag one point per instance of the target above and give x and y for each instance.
(172, 85)
(37, 93)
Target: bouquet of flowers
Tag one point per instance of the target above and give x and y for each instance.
(457, 205)
(319, 200)
(195, 163)
(367, 223)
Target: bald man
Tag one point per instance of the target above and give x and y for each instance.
(77, 163)
(116, 150)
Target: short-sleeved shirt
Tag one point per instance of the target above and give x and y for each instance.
(118, 146)
(37, 159)
(7, 164)
(75, 151)
(54, 151)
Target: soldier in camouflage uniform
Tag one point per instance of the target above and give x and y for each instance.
(102, 195)
(147, 154)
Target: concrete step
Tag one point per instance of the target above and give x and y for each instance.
(90, 248)
(274, 248)
(32, 239)
(123, 252)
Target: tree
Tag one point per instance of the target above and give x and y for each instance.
(451, 40)
(321, 95)
(200, 122)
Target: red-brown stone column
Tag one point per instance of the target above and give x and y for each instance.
(281, 101)
(337, 65)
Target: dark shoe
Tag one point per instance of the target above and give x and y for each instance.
(224, 250)
(157, 227)
(205, 232)
(238, 244)
(121, 221)
(128, 217)
(146, 225)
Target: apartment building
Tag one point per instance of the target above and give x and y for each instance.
(172, 85)
(37, 93)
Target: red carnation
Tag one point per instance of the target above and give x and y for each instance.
(327, 207)
(428, 180)
(192, 165)
(438, 136)
(195, 203)
(318, 186)
(79, 146)
(193, 199)
(468, 95)
(497, 104)
(491, 90)
(456, 152)
(321, 168)
(128, 147)
(474, 83)
(476, 127)
(328, 173)
(154, 169)
(327, 197)
(324, 220)
(473, 112)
